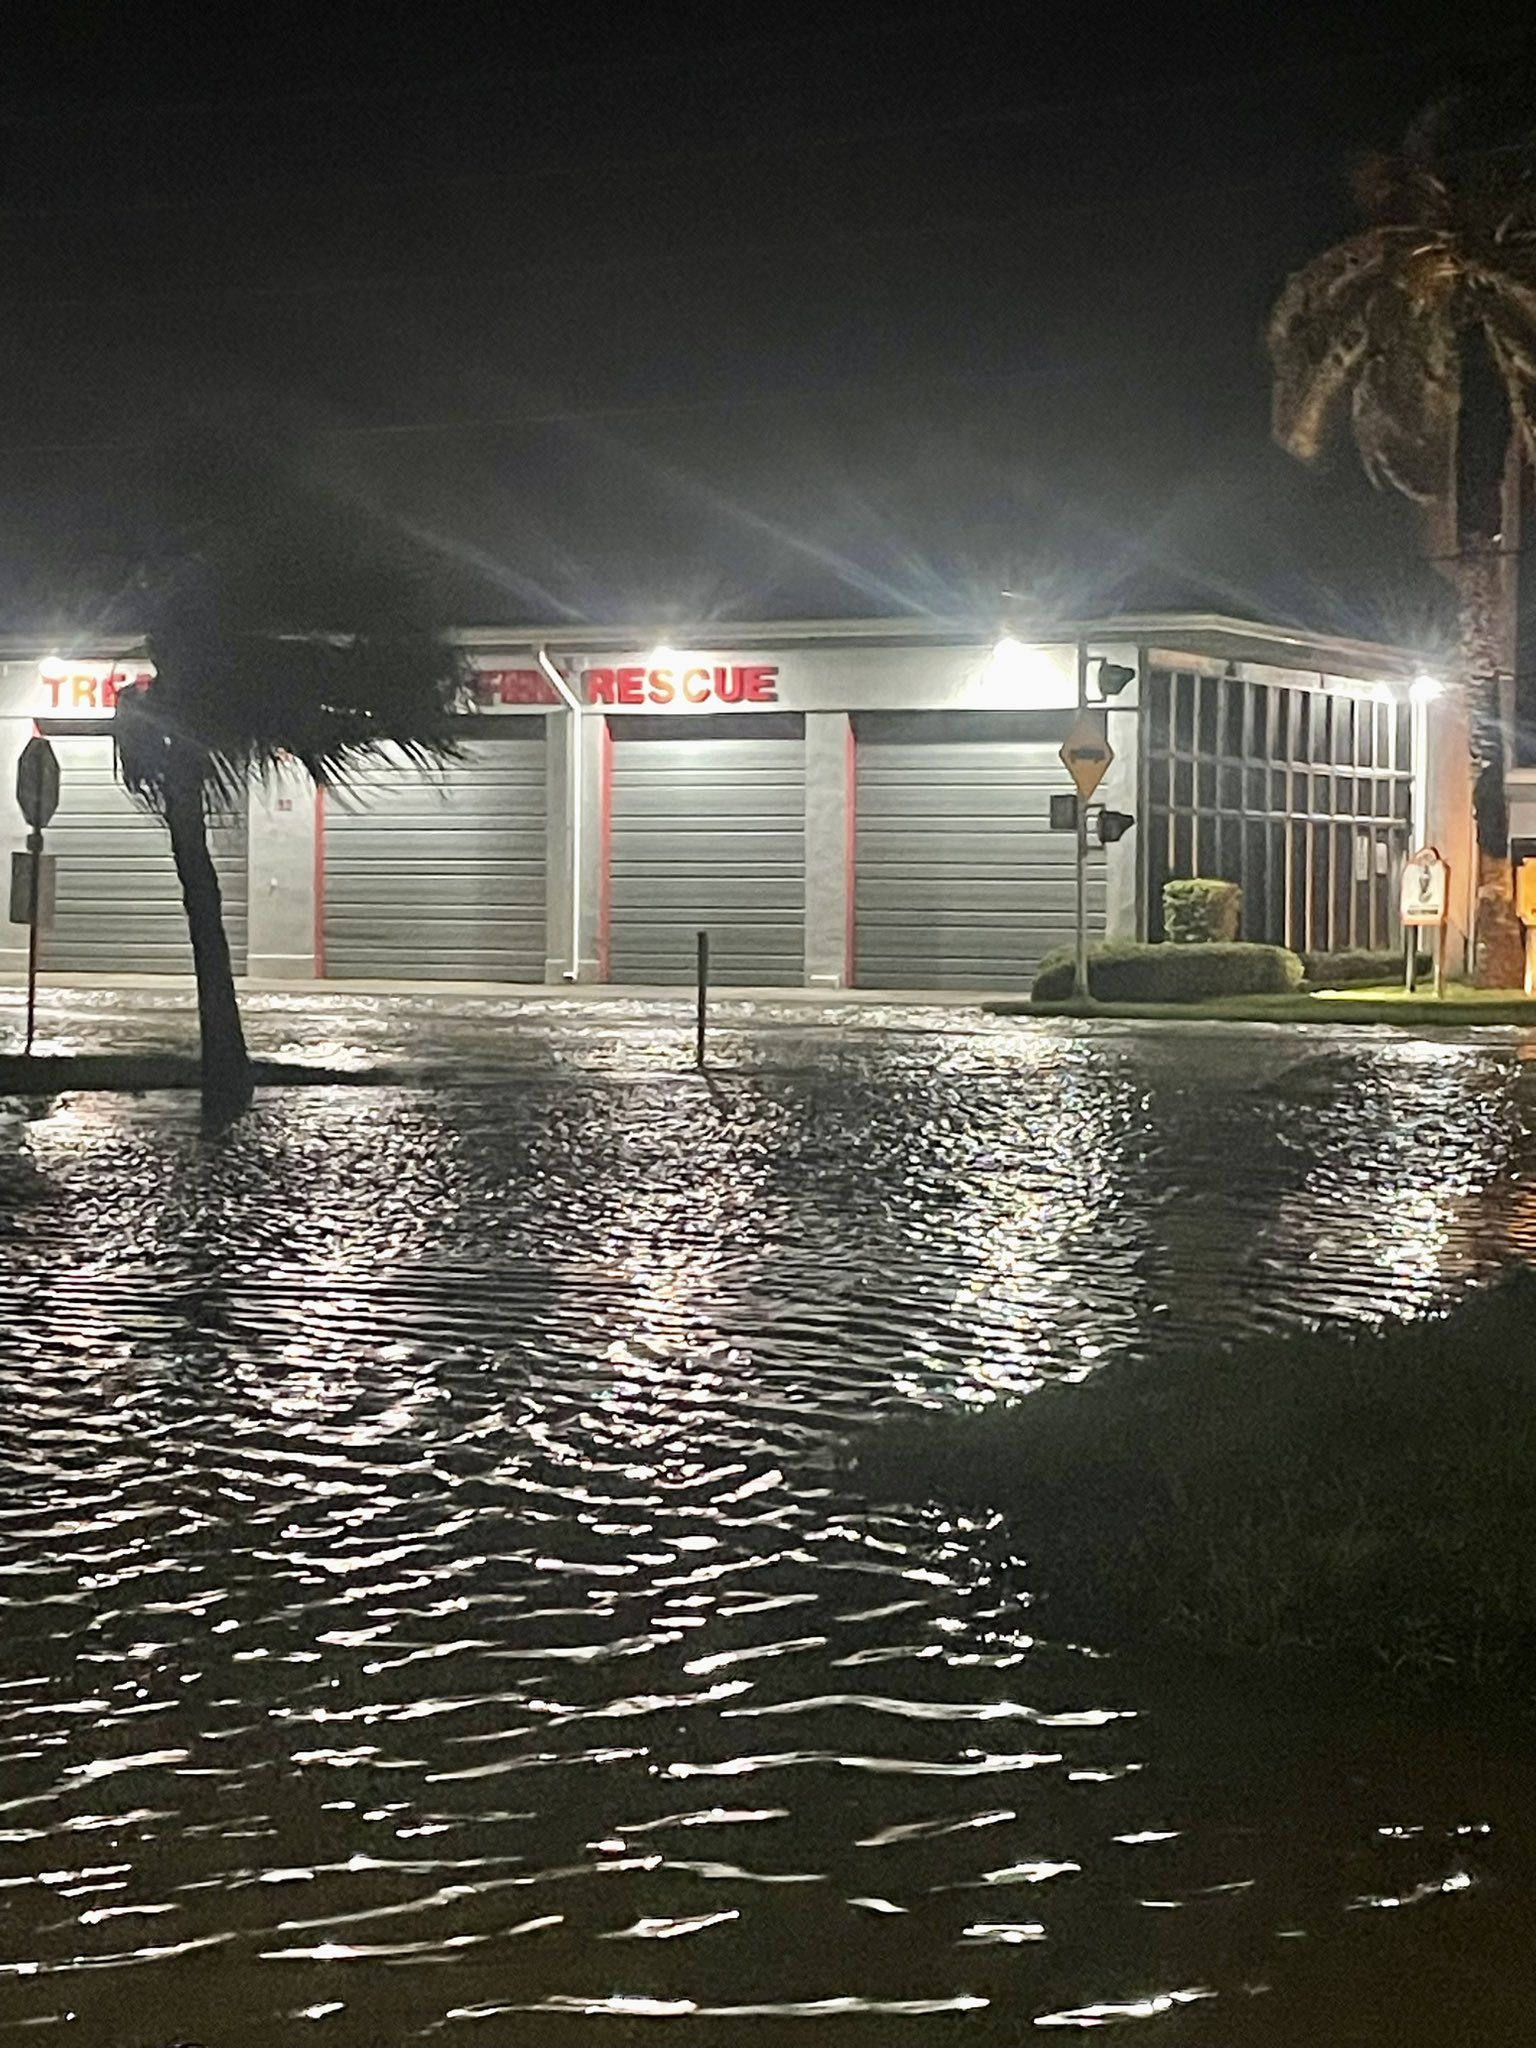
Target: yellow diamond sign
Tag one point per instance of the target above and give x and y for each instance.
(1086, 753)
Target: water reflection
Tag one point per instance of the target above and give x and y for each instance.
(431, 1610)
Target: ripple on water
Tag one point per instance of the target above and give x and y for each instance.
(422, 1507)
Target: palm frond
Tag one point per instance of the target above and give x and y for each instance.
(1317, 335)
(1406, 395)
(287, 627)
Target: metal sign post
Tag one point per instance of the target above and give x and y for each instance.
(1086, 755)
(37, 794)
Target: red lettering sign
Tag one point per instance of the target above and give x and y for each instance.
(513, 686)
(92, 688)
(744, 683)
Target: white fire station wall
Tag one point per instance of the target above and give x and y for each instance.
(960, 881)
(707, 834)
(283, 827)
(440, 874)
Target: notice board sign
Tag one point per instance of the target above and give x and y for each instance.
(1426, 891)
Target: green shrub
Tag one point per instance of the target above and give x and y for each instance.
(1170, 974)
(1369, 1498)
(1346, 970)
(1202, 912)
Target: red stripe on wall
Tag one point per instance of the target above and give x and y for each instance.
(319, 883)
(604, 849)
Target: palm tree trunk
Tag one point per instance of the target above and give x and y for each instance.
(226, 1063)
(1481, 586)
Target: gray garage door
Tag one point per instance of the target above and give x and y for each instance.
(708, 834)
(119, 903)
(960, 881)
(439, 875)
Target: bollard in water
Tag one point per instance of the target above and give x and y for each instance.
(702, 1018)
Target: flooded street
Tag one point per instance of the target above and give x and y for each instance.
(433, 1608)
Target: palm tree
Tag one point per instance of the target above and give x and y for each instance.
(1425, 321)
(284, 627)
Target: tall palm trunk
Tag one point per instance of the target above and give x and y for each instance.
(1485, 629)
(226, 1063)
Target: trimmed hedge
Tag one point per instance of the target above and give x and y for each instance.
(1348, 970)
(1170, 974)
(1202, 911)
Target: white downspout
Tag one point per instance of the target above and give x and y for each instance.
(573, 798)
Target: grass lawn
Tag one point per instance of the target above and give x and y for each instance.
(1460, 1007)
(1368, 1500)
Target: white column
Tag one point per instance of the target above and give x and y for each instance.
(828, 863)
(14, 734)
(574, 851)
(281, 851)
(1446, 781)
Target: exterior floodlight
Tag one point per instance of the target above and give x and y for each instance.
(662, 657)
(1425, 689)
(1113, 678)
(1114, 825)
(1007, 654)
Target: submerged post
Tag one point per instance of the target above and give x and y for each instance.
(702, 1018)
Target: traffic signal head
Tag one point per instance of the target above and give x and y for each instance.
(1113, 678)
(1114, 825)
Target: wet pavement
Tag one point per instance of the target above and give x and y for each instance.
(432, 1608)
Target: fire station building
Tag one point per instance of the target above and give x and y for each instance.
(838, 803)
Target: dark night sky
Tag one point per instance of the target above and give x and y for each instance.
(726, 310)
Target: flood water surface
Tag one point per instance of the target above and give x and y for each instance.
(433, 1607)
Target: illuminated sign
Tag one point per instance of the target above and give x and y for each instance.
(663, 688)
(494, 687)
(641, 687)
(85, 689)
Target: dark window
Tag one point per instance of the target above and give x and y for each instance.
(1223, 801)
(1183, 844)
(1158, 713)
(1206, 722)
(1184, 714)
(1321, 876)
(1233, 694)
(1344, 709)
(1259, 696)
